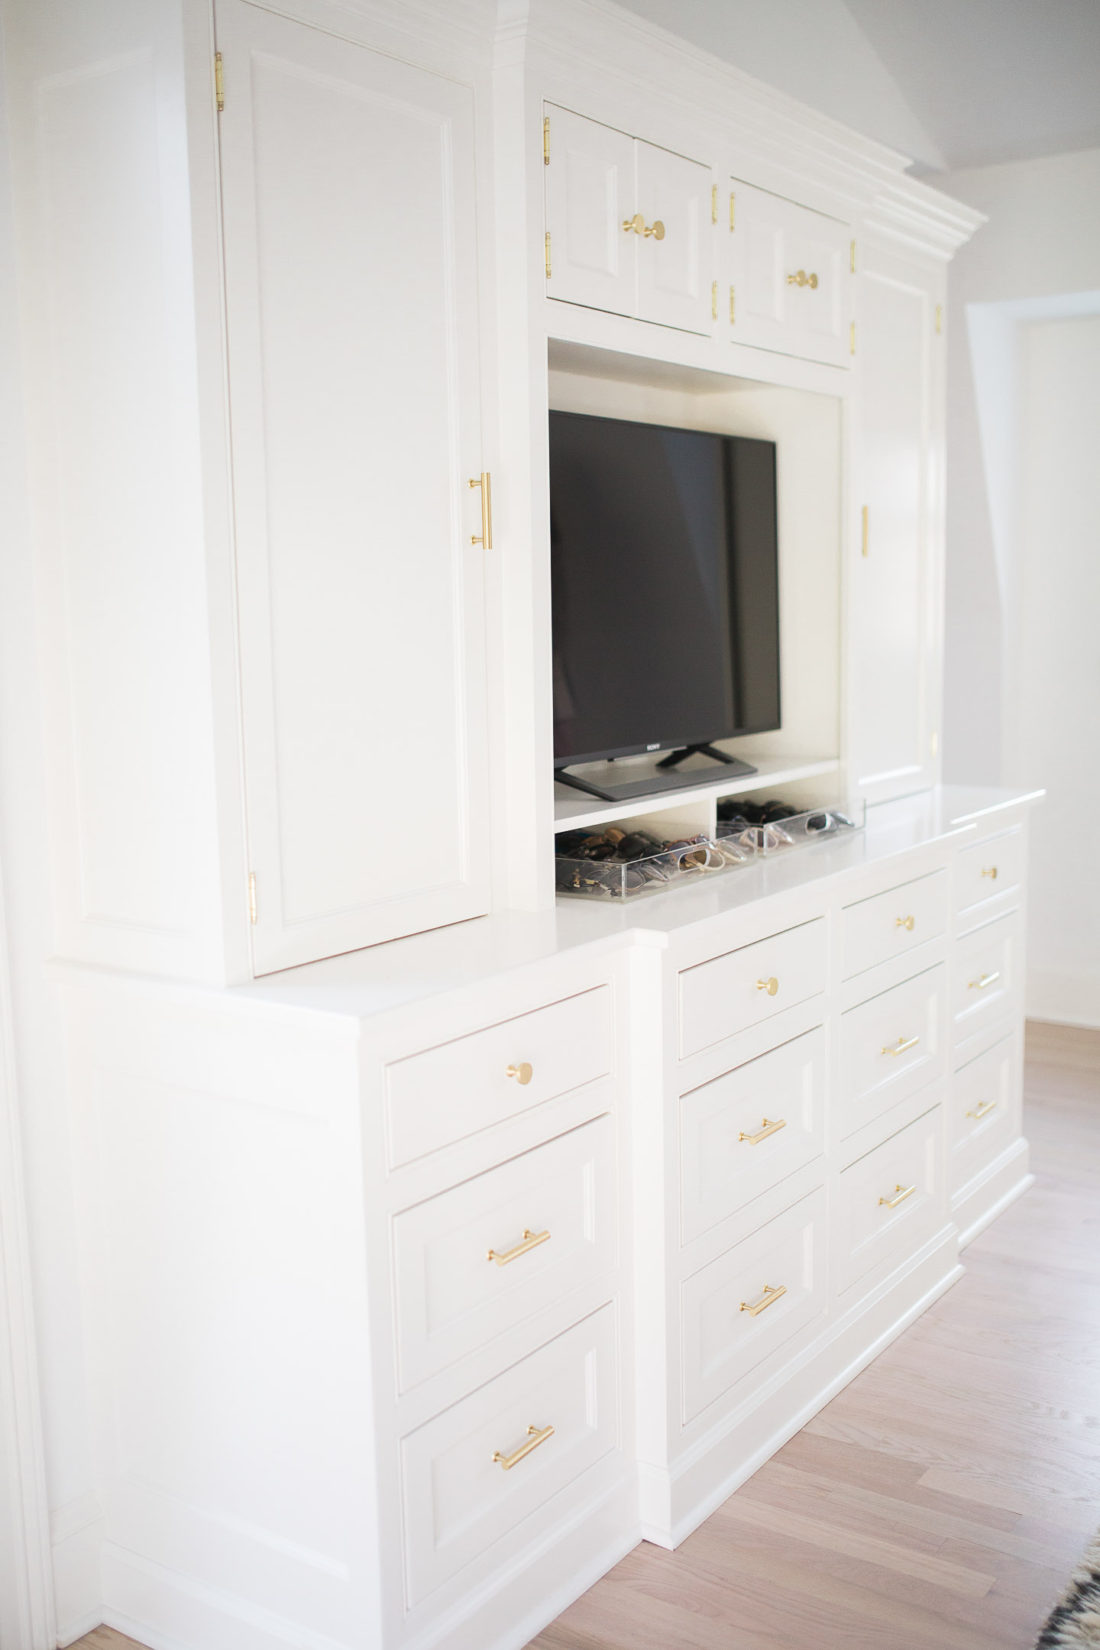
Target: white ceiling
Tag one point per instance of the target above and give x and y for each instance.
(953, 83)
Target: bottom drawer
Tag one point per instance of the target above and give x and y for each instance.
(751, 1301)
(985, 1098)
(471, 1474)
(891, 1201)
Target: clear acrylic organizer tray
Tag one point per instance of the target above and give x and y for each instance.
(818, 824)
(632, 878)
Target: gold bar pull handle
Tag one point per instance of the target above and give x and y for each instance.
(768, 1298)
(902, 1193)
(535, 1437)
(908, 923)
(983, 1110)
(485, 482)
(531, 1240)
(762, 1134)
(991, 873)
(986, 979)
(523, 1072)
(901, 1045)
(770, 985)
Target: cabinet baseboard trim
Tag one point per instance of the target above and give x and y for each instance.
(983, 1199)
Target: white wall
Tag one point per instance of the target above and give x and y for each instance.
(1019, 301)
(1055, 740)
(37, 1056)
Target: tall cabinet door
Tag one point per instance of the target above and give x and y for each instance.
(896, 566)
(351, 280)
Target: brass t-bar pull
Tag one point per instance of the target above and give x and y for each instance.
(485, 482)
(535, 1437)
(762, 1134)
(768, 1298)
(892, 1202)
(531, 1240)
(901, 1045)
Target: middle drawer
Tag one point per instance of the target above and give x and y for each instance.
(748, 1129)
(475, 1260)
(890, 1046)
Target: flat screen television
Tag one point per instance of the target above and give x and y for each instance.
(665, 590)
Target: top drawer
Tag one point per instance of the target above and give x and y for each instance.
(447, 1093)
(989, 868)
(728, 994)
(889, 924)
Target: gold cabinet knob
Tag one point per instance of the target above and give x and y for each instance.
(908, 923)
(991, 873)
(800, 278)
(522, 1073)
(638, 226)
(771, 985)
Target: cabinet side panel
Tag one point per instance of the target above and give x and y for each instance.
(101, 170)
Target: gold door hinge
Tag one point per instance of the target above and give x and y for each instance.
(252, 897)
(865, 544)
(733, 308)
(852, 339)
(219, 81)
(547, 254)
(733, 211)
(939, 317)
(714, 203)
(714, 300)
(546, 140)
(853, 257)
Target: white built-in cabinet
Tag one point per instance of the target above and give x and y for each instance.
(422, 1282)
(629, 225)
(788, 276)
(348, 191)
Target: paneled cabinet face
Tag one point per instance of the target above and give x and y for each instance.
(896, 651)
(349, 205)
(628, 225)
(788, 277)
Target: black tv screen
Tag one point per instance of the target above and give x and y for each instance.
(665, 587)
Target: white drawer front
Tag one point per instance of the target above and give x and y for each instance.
(891, 1046)
(984, 984)
(730, 993)
(479, 1258)
(985, 1109)
(751, 1301)
(748, 1129)
(454, 1090)
(989, 868)
(889, 924)
(890, 1201)
(460, 1495)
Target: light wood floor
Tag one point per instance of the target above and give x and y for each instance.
(940, 1502)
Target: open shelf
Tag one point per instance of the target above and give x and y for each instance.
(572, 809)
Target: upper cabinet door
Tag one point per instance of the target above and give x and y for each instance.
(628, 225)
(896, 562)
(590, 193)
(349, 207)
(675, 249)
(789, 277)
